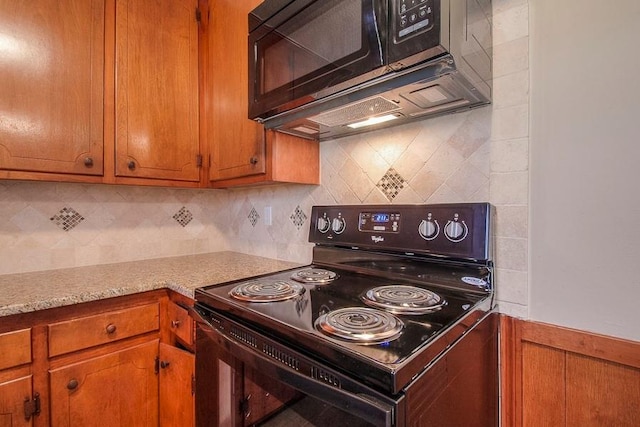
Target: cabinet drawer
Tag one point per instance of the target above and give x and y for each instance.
(180, 323)
(85, 332)
(15, 348)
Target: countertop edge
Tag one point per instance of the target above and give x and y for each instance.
(31, 292)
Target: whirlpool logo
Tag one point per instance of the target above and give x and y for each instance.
(377, 239)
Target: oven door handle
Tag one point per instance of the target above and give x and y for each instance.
(364, 405)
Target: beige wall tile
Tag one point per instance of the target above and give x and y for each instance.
(512, 254)
(510, 155)
(511, 89)
(514, 310)
(512, 286)
(511, 57)
(510, 123)
(510, 188)
(512, 221)
(511, 22)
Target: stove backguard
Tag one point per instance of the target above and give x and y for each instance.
(446, 231)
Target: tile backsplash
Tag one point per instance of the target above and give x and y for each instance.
(54, 225)
(479, 155)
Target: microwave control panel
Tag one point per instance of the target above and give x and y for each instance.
(413, 17)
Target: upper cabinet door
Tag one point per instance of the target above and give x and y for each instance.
(51, 86)
(237, 143)
(157, 133)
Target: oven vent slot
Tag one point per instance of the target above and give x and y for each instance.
(281, 356)
(244, 337)
(325, 377)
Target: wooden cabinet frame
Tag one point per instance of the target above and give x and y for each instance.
(553, 375)
(219, 147)
(165, 358)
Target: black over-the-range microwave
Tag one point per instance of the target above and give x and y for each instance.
(327, 68)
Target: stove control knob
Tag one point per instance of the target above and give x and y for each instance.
(323, 224)
(455, 230)
(338, 225)
(429, 228)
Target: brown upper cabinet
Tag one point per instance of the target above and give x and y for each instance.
(136, 92)
(51, 86)
(242, 152)
(157, 90)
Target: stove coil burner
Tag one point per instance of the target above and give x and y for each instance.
(314, 276)
(360, 325)
(266, 291)
(402, 299)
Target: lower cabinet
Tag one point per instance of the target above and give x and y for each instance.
(16, 381)
(177, 386)
(107, 363)
(12, 400)
(118, 389)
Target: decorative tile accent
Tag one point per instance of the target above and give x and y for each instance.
(391, 184)
(298, 217)
(253, 217)
(67, 218)
(183, 216)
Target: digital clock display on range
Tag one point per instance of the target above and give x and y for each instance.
(380, 217)
(379, 222)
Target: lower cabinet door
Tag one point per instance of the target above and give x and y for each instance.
(177, 387)
(117, 389)
(12, 397)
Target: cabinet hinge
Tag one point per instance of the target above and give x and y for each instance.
(245, 406)
(31, 406)
(198, 15)
(193, 385)
(199, 160)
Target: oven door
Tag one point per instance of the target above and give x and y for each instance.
(288, 387)
(310, 46)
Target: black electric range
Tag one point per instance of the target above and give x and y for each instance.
(408, 282)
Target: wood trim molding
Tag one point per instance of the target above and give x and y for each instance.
(603, 347)
(510, 371)
(553, 375)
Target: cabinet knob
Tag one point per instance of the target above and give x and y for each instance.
(131, 165)
(73, 384)
(111, 328)
(164, 364)
(88, 162)
(253, 160)
(175, 323)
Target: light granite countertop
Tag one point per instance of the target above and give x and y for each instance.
(27, 292)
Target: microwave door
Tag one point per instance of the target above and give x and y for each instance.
(298, 58)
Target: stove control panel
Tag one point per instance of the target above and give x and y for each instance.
(455, 230)
(379, 222)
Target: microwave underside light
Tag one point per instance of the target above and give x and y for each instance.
(373, 121)
(356, 112)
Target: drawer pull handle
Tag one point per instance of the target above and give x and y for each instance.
(111, 328)
(131, 165)
(253, 160)
(73, 384)
(88, 162)
(175, 323)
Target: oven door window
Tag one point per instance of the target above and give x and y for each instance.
(326, 43)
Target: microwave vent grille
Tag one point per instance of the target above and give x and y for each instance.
(355, 112)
